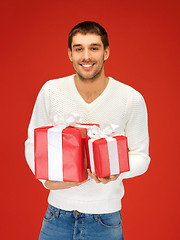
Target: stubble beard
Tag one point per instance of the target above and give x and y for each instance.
(94, 76)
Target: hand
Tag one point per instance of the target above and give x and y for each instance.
(102, 180)
(55, 185)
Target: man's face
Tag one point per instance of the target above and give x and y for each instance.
(88, 55)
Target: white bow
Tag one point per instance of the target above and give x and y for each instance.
(104, 131)
(69, 119)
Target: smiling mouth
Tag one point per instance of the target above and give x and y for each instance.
(87, 66)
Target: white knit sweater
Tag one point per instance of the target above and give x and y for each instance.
(119, 104)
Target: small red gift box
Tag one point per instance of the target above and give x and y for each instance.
(107, 156)
(59, 153)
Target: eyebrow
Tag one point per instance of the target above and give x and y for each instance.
(92, 44)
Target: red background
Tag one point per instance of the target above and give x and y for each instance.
(144, 41)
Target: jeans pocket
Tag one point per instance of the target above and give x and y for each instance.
(50, 214)
(111, 220)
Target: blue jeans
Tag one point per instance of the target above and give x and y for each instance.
(71, 225)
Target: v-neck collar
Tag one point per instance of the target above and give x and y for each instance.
(95, 101)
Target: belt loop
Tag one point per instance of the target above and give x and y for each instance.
(57, 212)
(76, 213)
(96, 217)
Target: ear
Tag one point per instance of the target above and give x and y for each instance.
(106, 53)
(70, 54)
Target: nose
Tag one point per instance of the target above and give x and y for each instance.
(86, 55)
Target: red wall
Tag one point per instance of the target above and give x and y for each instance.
(144, 40)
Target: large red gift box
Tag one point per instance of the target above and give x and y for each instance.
(59, 153)
(107, 156)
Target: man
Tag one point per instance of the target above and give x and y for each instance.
(90, 210)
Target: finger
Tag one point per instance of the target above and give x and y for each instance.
(92, 175)
(114, 177)
(105, 180)
(50, 183)
(89, 172)
(65, 185)
(95, 178)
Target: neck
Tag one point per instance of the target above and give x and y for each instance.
(92, 88)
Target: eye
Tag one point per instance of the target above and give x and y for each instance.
(94, 48)
(78, 49)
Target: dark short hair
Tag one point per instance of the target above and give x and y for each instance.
(89, 27)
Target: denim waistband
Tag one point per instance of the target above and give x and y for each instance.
(79, 214)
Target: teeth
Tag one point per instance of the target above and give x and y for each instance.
(87, 65)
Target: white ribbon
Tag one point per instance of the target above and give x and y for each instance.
(69, 119)
(55, 161)
(107, 131)
(104, 131)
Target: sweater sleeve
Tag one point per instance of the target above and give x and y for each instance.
(40, 117)
(136, 131)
